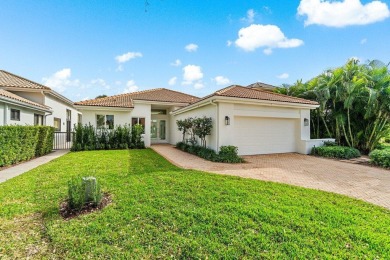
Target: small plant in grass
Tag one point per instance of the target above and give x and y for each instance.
(84, 195)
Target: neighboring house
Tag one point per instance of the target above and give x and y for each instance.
(24, 102)
(254, 119)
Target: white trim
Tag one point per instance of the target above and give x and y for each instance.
(235, 100)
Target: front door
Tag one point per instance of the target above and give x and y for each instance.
(158, 130)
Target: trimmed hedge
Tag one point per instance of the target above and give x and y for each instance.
(87, 137)
(339, 152)
(21, 143)
(227, 154)
(380, 158)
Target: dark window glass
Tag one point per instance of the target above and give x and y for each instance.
(15, 114)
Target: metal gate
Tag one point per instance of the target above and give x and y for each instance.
(63, 140)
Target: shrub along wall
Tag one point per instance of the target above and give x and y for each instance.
(380, 158)
(87, 137)
(335, 151)
(21, 143)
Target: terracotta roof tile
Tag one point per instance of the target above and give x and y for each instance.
(7, 94)
(126, 100)
(254, 93)
(11, 80)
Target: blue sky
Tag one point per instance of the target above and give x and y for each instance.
(86, 48)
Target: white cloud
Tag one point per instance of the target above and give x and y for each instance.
(176, 63)
(130, 87)
(221, 80)
(198, 85)
(60, 80)
(84, 98)
(342, 13)
(363, 41)
(191, 74)
(268, 36)
(172, 81)
(101, 83)
(283, 76)
(118, 83)
(250, 16)
(229, 43)
(128, 56)
(192, 47)
(267, 51)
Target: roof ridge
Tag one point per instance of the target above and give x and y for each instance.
(20, 77)
(179, 92)
(223, 90)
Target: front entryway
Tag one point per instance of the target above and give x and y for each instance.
(158, 130)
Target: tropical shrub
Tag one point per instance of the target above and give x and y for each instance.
(354, 103)
(200, 127)
(340, 152)
(21, 143)
(380, 158)
(227, 154)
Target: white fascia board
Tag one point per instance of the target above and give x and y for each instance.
(24, 105)
(100, 108)
(263, 102)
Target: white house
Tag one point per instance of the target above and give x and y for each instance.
(252, 118)
(24, 102)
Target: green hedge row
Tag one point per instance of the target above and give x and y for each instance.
(21, 143)
(87, 137)
(335, 151)
(227, 154)
(380, 158)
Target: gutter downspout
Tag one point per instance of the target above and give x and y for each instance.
(49, 114)
(216, 125)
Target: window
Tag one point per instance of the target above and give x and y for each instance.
(138, 120)
(105, 121)
(57, 124)
(38, 119)
(15, 114)
(159, 112)
(68, 115)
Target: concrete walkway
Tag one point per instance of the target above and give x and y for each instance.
(18, 169)
(363, 182)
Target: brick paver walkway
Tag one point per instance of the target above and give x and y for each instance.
(359, 181)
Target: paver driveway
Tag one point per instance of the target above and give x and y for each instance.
(362, 182)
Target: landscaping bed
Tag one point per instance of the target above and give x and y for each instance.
(162, 211)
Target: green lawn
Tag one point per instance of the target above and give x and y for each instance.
(161, 211)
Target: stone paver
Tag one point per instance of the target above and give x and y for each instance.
(363, 182)
(16, 170)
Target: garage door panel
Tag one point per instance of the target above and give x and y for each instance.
(265, 135)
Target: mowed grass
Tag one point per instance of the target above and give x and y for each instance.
(161, 211)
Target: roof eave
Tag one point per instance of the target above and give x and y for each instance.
(25, 105)
(101, 108)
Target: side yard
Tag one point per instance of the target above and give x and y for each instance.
(161, 211)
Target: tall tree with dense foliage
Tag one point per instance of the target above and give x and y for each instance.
(354, 103)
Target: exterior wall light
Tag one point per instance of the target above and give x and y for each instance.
(306, 122)
(227, 120)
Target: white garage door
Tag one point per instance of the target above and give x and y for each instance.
(265, 135)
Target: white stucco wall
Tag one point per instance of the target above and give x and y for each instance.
(59, 111)
(208, 111)
(26, 115)
(143, 110)
(2, 115)
(37, 97)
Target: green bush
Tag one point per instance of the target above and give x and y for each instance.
(227, 154)
(340, 152)
(87, 138)
(21, 143)
(380, 158)
(82, 192)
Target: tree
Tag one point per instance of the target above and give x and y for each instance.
(102, 96)
(185, 126)
(354, 103)
(202, 128)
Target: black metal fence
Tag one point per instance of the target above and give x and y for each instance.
(63, 140)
